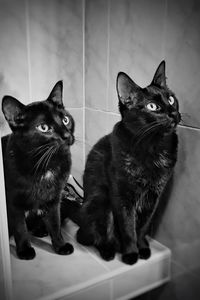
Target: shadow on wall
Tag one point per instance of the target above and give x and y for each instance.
(4, 87)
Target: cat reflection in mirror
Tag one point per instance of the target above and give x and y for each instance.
(127, 170)
(37, 163)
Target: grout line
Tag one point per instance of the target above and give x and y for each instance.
(108, 62)
(74, 108)
(111, 289)
(108, 54)
(185, 269)
(190, 127)
(118, 114)
(163, 46)
(94, 256)
(28, 47)
(109, 276)
(84, 100)
(103, 111)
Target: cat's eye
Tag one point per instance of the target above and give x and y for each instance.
(43, 127)
(152, 106)
(66, 121)
(171, 100)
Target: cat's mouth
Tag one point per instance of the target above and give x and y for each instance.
(175, 121)
(173, 124)
(69, 141)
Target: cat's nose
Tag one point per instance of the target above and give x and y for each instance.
(68, 138)
(176, 116)
(66, 135)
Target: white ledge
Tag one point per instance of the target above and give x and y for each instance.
(83, 274)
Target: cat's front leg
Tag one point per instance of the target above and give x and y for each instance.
(144, 220)
(143, 246)
(125, 219)
(128, 236)
(52, 221)
(21, 236)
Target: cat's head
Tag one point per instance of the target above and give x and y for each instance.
(154, 108)
(41, 122)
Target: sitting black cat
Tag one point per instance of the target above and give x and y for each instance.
(37, 163)
(127, 170)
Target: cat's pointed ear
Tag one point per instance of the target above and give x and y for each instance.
(56, 93)
(126, 89)
(13, 111)
(159, 78)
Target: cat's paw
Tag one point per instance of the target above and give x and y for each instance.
(83, 238)
(40, 232)
(66, 249)
(130, 258)
(26, 253)
(144, 253)
(107, 253)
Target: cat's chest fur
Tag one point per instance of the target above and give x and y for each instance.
(46, 189)
(152, 172)
(29, 190)
(45, 185)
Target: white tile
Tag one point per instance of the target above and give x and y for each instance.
(78, 160)
(96, 50)
(136, 42)
(56, 48)
(14, 79)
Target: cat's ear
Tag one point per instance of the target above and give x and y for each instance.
(159, 78)
(56, 94)
(13, 111)
(126, 90)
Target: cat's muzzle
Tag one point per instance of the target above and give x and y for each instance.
(175, 119)
(68, 138)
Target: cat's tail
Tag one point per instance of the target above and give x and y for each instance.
(72, 200)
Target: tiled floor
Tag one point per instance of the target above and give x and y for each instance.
(84, 275)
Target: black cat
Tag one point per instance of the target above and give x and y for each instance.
(37, 163)
(127, 170)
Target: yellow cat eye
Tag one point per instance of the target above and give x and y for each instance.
(171, 100)
(152, 106)
(43, 127)
(66, 121)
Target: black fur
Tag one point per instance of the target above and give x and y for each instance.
(37, 163)
(127, 170)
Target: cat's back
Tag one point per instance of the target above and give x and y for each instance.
(98, 161)
(101, 151)
(4, 143)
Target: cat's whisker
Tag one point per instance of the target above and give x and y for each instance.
(184, 118)
(78, 139)
(146, 130)
(45, 160)
(39, 149)
(41, 160)
(50, 155)
(186, 114)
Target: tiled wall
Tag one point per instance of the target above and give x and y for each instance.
(134, 36)
(41, 42)
(86, 43)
